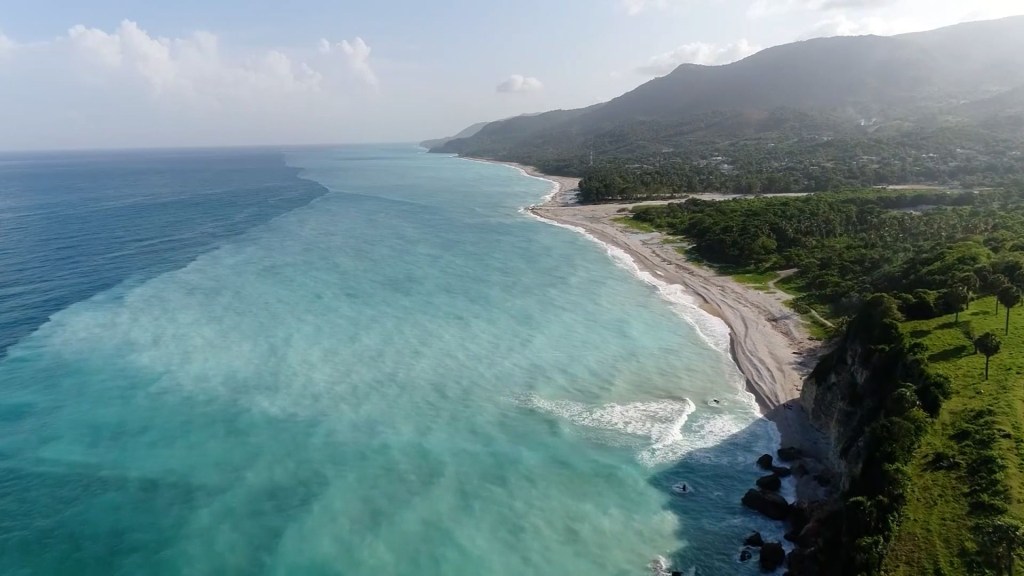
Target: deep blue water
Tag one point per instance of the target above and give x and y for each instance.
(75, 224)
(351, 360)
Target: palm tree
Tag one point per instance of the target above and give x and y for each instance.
(1009, 297)
(969, 281)
(989, 345)
(956, 297)
(995, 284)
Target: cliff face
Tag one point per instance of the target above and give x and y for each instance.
(832, 398)
(874, 397)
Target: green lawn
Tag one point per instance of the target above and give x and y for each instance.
(757, 279)
(637, 225)
(935, 536)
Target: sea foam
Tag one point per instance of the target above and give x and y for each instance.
(713, 330)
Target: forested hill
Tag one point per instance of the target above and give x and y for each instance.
(797, 109)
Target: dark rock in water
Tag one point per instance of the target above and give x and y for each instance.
(798, 562)
(771, 482)
(781, 471)
(754, 539)
(800, 469)
(792, 536)
(746, 554)
(790, 454)
(765, 462)
(772, 556)
(767, 503)
(809, 535)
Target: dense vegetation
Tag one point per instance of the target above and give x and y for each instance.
(920, 247)
(903, 272)
(774, 163)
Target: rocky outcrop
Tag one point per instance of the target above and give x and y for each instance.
(765, 462)
(769, 483)
(772, 556)
(746, 554)
(798, 562)
(790, 454)
(830, 398)
(754, 540)
(767, 503)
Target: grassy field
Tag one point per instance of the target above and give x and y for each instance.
(637, 225)
(982, 420)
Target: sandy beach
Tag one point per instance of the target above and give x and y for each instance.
(769, 341)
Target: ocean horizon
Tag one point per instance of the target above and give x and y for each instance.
(354, 359)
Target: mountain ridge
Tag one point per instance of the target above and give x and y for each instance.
(843, 85)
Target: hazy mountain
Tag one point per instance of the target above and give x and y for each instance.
(465, 133)
(822, 86)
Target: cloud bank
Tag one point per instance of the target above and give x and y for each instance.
(357, 55)
(697, 53)
(123, 86)
(520, 83)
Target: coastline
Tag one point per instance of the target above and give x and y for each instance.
(768, 342)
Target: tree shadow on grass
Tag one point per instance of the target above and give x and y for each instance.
(951, 353)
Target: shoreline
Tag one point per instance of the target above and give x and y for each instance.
(767, 341)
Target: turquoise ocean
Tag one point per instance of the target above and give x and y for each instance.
(356, 360)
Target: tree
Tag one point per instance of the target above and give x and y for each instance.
(1005, 539)
(989, 345)
(967, 329)
(969, 281)
(996, 282)
(1009, 297)
(956, 297)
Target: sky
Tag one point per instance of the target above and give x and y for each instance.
(134, 73)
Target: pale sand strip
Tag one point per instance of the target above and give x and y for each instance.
(769, 342)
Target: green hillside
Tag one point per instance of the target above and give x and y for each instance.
(969, 469)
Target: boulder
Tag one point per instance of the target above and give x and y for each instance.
(797, 562)
(746, 554)
(754, 540)
(765, 462)
(771, 483)
(781, 471)
(810, 535)
(767, 503)
(790, 454)
(772, 556)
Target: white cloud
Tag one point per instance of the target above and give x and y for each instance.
(843, 25)
(124, 86)
(190, 67)
(7, 46)
(697, 53)
(357, 56)
(634, 7)
(926, 13)
(763, 8)
(520, 83)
